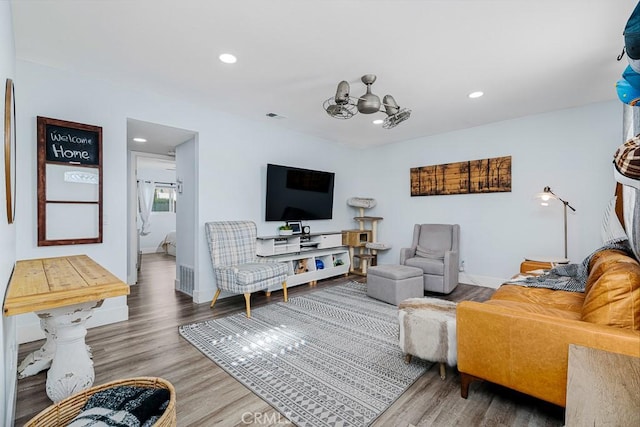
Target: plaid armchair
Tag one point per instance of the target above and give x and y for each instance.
(237, 269)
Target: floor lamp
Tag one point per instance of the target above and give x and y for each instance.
(545, 196)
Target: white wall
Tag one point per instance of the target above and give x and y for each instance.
(187, 215)
(8, 344)
(161, 222)
(569, 150)
(232, 180)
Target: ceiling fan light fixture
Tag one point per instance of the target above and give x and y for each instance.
(344, 106)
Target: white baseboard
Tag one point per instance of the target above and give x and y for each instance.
(30, 331)
(486, 281)
(157, 250)
(200, 297)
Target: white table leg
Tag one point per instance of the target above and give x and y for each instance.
(71, 368)
(40, 360)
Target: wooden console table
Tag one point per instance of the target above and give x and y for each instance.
(63, 292)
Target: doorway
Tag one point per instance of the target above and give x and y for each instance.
(155, 153)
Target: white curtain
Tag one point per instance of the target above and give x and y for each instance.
(146, 190)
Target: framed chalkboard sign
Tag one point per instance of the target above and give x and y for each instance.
(72, 145)
(69, 183)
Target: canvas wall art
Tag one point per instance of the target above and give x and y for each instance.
(472, 176)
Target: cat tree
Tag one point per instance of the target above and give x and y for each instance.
(363, 242)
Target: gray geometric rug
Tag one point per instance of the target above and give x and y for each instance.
(329, 358)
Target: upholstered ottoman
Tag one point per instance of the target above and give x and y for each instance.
(394, 283)
(428, 331)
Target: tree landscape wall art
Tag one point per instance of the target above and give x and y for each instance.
(473, 176)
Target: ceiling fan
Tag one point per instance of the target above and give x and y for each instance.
(344, 106)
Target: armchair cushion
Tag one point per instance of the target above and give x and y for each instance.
(250, 273)
(428, 265)
(435, 237)
(429, 253)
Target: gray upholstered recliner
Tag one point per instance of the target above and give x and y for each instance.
(435, 249)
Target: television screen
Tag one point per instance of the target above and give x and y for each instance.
(295, 194)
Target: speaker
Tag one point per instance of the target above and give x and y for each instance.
(306, 229)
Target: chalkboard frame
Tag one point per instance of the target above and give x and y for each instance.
(70, 157)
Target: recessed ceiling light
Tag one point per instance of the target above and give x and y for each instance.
(378, 121)
(228, 58)
(139, 140)
(477, 94)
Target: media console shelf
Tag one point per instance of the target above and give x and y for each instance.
(311, 257)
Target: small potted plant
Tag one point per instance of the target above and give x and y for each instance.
(285, 230)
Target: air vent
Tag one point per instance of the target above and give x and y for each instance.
(186, 276)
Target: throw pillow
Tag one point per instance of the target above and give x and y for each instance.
(429, 253)
(627, 158)
(612, 231)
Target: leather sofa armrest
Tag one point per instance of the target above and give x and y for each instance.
(529, 352)
(406, 253)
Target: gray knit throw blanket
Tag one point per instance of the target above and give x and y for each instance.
(569, 277)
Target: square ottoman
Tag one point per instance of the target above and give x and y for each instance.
(394, 283)
(428, 331)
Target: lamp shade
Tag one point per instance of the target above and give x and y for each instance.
(545, 196)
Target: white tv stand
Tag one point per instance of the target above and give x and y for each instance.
(323, 253)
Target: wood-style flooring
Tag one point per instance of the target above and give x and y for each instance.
(148, 344)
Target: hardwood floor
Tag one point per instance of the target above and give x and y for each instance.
(148, 344)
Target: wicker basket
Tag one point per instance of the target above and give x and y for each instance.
(61, 413)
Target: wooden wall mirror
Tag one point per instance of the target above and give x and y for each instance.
(69, 183)
(10, 150)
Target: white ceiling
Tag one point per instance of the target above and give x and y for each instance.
(160, 139)
(527, 56)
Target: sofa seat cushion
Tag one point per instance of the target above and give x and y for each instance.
(612, 294)
(562, 300)
(428, 265)
(525, 307)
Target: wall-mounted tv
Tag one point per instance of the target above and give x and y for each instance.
(295, 194)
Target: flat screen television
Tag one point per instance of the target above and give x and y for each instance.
(295, 194)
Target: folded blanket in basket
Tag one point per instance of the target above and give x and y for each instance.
(123, 406)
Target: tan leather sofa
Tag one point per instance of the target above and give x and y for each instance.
(520, 337)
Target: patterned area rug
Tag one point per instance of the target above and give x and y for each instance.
(329, 358)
